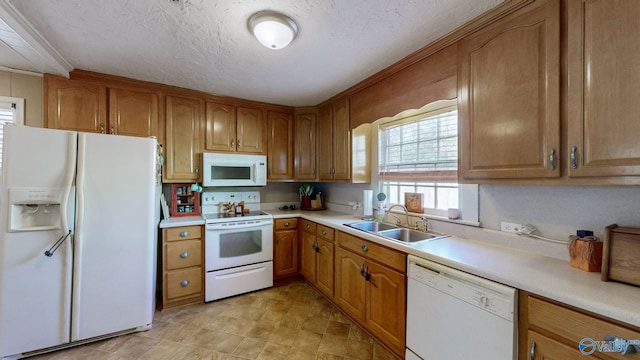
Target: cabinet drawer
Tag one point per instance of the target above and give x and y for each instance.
(182, 254)
(373, 251)
(182, 283)
(574, 326)
(308, 226)
(325, 232)
(286, 224)
(184, 233)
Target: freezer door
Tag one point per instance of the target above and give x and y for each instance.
(115, 243)
(35, 306)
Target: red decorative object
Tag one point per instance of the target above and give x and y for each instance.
(184, 201)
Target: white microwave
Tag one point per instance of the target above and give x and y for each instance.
(233, 170)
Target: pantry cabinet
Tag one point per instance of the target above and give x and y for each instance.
(549, 330)
(285, 248)
(305, 162)
(93, 107)
(182, 280)
(509, 96)
(334, 142)
(370, 286)
(184, 143)
(603, 59)
(316, 256)
(279, 146)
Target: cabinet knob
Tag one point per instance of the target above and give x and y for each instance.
(324, 232)
(308, 226)
(532, 351)
(365, 248)
(574, 162)
(184, 283)
(184, 255)
(286, 224)
(184, 234)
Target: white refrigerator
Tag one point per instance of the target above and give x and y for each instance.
(78, 227)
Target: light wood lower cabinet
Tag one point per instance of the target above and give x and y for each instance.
(316, 256)
(371, 286)
(552, 331)
(182, 280)
(285, 248)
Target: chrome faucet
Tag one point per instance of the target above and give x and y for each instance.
(425, 224)
(406, 213)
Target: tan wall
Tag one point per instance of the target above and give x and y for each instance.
(28, 87)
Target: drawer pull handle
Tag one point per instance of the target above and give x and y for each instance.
(184, 255)
(308, 226)
(623, 346)
(184, 234)
(365, 248)
(286, 224)
(184, 283)
(532, 352)
(552, 159)
(574, 162)
(324, 232)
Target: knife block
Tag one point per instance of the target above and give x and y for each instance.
(586, 255)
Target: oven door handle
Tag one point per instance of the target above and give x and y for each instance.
(243, 226)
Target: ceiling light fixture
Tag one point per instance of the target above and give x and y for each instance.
(273, 29)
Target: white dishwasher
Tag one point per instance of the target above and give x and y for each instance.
(453, 315)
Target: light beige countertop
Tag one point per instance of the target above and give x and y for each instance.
(516, 266)
(543, 275)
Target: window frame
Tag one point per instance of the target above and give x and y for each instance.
(18, 117)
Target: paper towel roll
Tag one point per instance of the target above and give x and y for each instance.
(367, 204)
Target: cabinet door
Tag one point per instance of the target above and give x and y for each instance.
(324, 266)
(308, 256)
(249, 130)
(285, 259)
(341, 141)
(325, 143)
(509, 99)
(184, 124)
(75, 105)
(386, 306)
(350, 284)
(133, 113)
(604, 88)
(305, 146)
(545, 348)
(220, 127)
(280, 146)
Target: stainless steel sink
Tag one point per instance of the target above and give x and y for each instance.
(371, 226)
(408, 235)
(395, 232)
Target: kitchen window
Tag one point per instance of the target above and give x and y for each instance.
(418, 153)
(11, 111)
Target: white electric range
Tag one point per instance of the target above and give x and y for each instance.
(238, 247)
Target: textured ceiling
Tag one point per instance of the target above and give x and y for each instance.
(205, 44)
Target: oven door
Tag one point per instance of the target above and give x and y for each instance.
(236, 243)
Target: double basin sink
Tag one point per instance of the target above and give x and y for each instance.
(394, 232)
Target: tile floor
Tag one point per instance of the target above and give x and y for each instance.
(287, 322)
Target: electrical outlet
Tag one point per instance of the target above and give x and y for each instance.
(510, 227)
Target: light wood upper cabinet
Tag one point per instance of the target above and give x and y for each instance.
(250, 130)
(334, 142)
(234, 129)
(305, 146)
(85, 106)
(184, 124)
(509, 96)
(280, 146)
(133, 113)
(75, 105)
(220, 127)
(603, 88)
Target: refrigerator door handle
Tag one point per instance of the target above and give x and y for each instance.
(56, 245)
(68, 181)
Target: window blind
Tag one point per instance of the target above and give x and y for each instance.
(423, 147)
